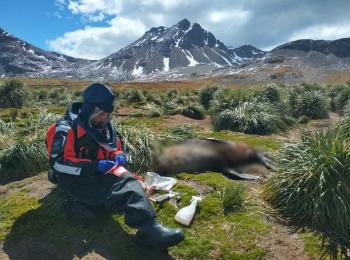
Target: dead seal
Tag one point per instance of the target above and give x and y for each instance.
(208, 154)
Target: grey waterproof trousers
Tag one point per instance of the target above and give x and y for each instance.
(122, 194)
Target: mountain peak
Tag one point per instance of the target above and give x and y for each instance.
(184, 24)
(2, 31)
(159, 29)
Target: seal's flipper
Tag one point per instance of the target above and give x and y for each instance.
(265, 159)
(232, 174)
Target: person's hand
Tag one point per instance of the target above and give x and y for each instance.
(105, 166)
(120, 159)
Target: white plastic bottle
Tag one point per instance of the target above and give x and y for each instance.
(185, 215)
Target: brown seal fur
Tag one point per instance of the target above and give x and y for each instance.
(202, 155)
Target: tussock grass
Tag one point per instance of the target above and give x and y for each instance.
(193, 111)
(233, 197)
(132, 95)
(140, 143)
(12, 93)
(312, 104)
(39, 121)
(179, 133)
(250, 117)
(339, 96)
(23, 159)
(206, 94)
(6, 127)
(312, 184)
(171, 108)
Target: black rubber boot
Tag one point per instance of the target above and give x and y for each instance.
(155, 235)
(79, 213)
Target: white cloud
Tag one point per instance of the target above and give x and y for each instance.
(93, 6)
(240, 16)
(98, 42)
(93, 17)
(324, 32)
(166, 5)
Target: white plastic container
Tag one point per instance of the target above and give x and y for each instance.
(185, 215)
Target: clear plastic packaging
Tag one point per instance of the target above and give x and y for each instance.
(155, 181)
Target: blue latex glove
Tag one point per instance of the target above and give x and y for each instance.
(120, 159)
(104, 166)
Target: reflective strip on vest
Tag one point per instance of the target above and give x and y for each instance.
(67, 169)
(63, 128)
(118, 171)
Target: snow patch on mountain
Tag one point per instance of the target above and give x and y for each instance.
(138, 71)
(166, 64)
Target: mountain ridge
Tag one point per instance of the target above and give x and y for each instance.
(177, 51)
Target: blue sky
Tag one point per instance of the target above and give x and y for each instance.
(94, 29)
(38, 21)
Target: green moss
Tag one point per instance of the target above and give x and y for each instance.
(266, 143)
(215, 180)
(210, 207)
(12, 207)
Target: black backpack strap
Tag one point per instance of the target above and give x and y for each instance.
(76, 139)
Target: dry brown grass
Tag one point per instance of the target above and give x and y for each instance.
(228, 81)
(53, 82)
(81, 84)
(243, 79)
(338, 77)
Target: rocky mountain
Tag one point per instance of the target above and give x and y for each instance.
(339, 48)
(18, 57)
(184, 44)
(180, 51)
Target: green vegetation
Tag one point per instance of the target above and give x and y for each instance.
(132, 95)
(206, 95)
(193, 111)
(215, 180)
(170, 108)
(233, 197)
(312, 104)
(339, 97)
(23, 159)
(311, 185)
(270, 93)
(179, 133)
(139, 143)
(251, 117)
(12, 93)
